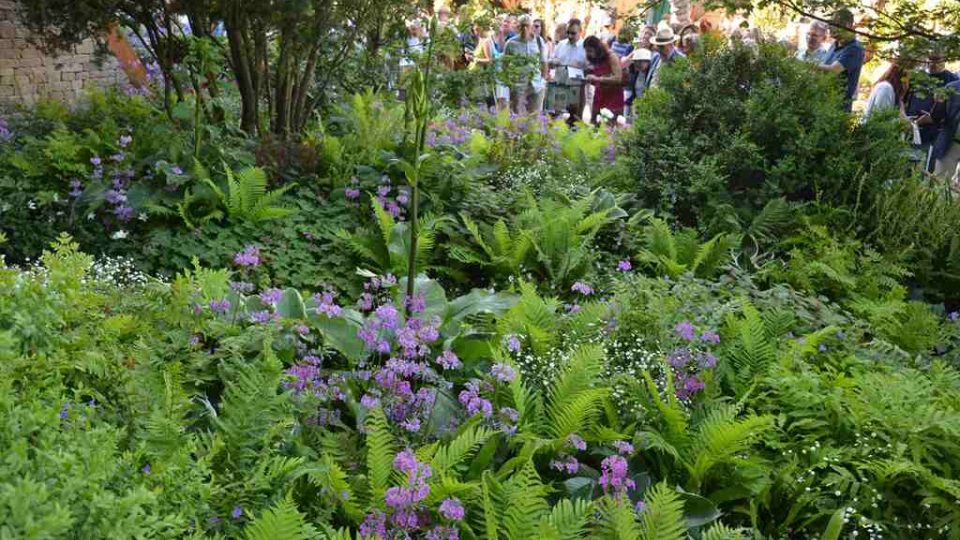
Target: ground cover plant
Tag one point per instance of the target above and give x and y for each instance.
(441, 324)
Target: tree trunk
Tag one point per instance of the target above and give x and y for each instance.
(243, 68)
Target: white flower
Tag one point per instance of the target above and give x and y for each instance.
(119, 235)
(31, 204)
(606, 113)
(90, 216)
(142, 217)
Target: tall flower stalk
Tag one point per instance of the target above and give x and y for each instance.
(418, 108)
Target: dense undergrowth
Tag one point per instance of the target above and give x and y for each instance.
(724, 322)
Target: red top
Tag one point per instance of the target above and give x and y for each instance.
(606, 96)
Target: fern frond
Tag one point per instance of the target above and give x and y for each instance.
(567, 520)
(380, 452)
(281, 522)
(663, 516)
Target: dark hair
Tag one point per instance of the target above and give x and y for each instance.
(574, 21)
(543, 29)
(843, 18)
(894, 76)
(593, 42)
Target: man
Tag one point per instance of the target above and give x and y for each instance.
(566, 93)
(526, 96)
(946, 153)
(569, 52)
(847, 56)
(816, 51)
(664, 43)
(622, 46)
(928, 109)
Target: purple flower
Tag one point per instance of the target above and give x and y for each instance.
(327, 305)
(123, 213)
(383, 191)
(250, 256)
(118, 157)
(176, 170)
(573, 309)
(503, 372)
(351, 193)
(302, 329)
(236, 512)
(822, 348)
(710, 337)
(411, 424)
(624, 266)
(271, 296)
(261, 316)
(405, 461)
(640, 507)
(685, 330)
(679, 357)
(145, 469)
(76, 188)
(443, 533)
(241, 287)
(452, 509)
(569, 465)
(688, 386)
(374, 525)
(613, 475)
(96, 161)
(954, 315)
(576, 442)
(471, 399)
(623, 447)
(707, 360)
(368, 401)
(65, 411)
(513, 343)
(386, 315)
(220, 306)
(125, 141)
(417, 304)
(115, 197)
(448, 360)
(582, 288)
(403, 199)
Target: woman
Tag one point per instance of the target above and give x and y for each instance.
(485, 55)
(541, 30)
(607, 76)
(497, 46)
(888, 92)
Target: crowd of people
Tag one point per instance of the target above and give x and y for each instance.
(598, 75)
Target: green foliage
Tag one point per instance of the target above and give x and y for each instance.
(282, 522)
(672, 254)
(247, 198)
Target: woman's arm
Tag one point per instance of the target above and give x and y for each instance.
(616, 73)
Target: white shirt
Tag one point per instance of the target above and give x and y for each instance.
(881, 97)
(570, 54)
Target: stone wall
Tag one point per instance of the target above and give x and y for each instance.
(26, 74)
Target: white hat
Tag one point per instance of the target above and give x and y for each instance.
(664, 36)
(639, 55)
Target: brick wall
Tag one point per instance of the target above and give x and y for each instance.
(26, 74)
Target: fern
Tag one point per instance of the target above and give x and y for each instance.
(567, 520)
(663, 517)
(616, 520)
(450, 457)
(247, 197)
(720, 436)
(675, 254)
(574, 398)
(380, 452)
(281, 522)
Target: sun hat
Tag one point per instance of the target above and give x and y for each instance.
(664, 36)
(639, 55)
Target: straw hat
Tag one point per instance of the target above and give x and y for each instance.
(639, 55)
(664, 36)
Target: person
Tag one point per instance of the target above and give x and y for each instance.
(887, 93)
(689, 43)
(484, 55)
(945, 154)
(540, 29)
(443, 16)
(569, 53)
(559, 36)
(498, 48)
(622, 46)
(606, 76)
(646, 34)
(847, 56)
(665, 44)
(926, 108)
(638, 64)
(527, 94)
(816, 50)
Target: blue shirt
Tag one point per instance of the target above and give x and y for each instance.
(917, 104)
(621, 49)
(851, 56)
